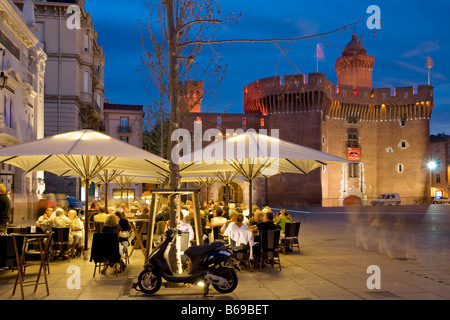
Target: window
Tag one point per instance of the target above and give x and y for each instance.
(40, 32)
(86, 81)
(244, 122)
(124, 124)
(219, 121)
(438, 177)
(99, 99)
(86, 43)
(403, 122)
(262, 122)
(353, 170)
(352, 139)
(8, 108)
(124, 139)
(400, 168)
(437, 148)
(351, 119)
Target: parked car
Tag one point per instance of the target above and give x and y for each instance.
(387, 199)
(440, 200)
(74, 203)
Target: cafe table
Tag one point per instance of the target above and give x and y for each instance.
(138, 232)
(43, 240)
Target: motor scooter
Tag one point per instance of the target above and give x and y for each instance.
(209, 264)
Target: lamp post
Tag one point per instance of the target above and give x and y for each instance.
(3, 77)
(432, 165)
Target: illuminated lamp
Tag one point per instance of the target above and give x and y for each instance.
(3, 77)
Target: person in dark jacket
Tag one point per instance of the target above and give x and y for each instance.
(5, 209)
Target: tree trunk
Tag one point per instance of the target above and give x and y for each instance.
(174, 105)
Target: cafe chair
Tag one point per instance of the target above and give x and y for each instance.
(242, 253)
(60, 244)
(105, 250)
(7, 253)
(291, 239)
(269, 247)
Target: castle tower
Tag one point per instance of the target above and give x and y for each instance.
(193, 92)
(355, 67)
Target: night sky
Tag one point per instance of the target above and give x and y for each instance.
(410, 32)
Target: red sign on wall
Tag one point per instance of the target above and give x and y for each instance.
(354, 154)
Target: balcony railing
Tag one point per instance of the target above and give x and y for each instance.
(124, 129)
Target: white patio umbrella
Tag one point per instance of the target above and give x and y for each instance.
(253, 155)
(83, 153)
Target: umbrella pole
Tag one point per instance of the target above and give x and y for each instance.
(250, 194)
(86, 214)
(106, 196)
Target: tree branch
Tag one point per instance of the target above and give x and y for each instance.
(181, 45)
(213, 21)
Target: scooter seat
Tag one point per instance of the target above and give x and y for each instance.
(196, 251)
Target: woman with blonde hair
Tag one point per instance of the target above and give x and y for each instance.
(112, 226)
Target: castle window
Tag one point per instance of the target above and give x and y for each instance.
(437, 148)
(353, 170)
(403, 144)
(400, 168)
(403, 122)
(244, 122)
(351, 119)
(262, 122)
(86, 43)
(352, 139)
(198, 120)
(438, 178)
(219, 121)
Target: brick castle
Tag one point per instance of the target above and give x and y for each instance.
(385, 131)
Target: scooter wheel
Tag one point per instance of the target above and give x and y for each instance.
(149, 281)
(232, 278)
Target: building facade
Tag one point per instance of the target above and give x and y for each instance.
(21, 101)
(74, 78)
(384, 131)
(125, 123)
(440, 156)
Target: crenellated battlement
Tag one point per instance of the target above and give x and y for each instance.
(293, 94)
(270, 93)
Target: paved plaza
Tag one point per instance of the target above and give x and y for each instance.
(409, 244)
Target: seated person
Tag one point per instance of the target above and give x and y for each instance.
(60, 220)
(266, 224)
(282, 219)
(44, 221)
(258, 216)
(238, 224)
(164, 215)
(112, 226)
(101, 216)
(232, 218)
(217, 220)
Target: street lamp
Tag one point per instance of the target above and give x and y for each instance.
(432, 165)
(3, 77)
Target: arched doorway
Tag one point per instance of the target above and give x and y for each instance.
(352, 200)
(234, 191)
